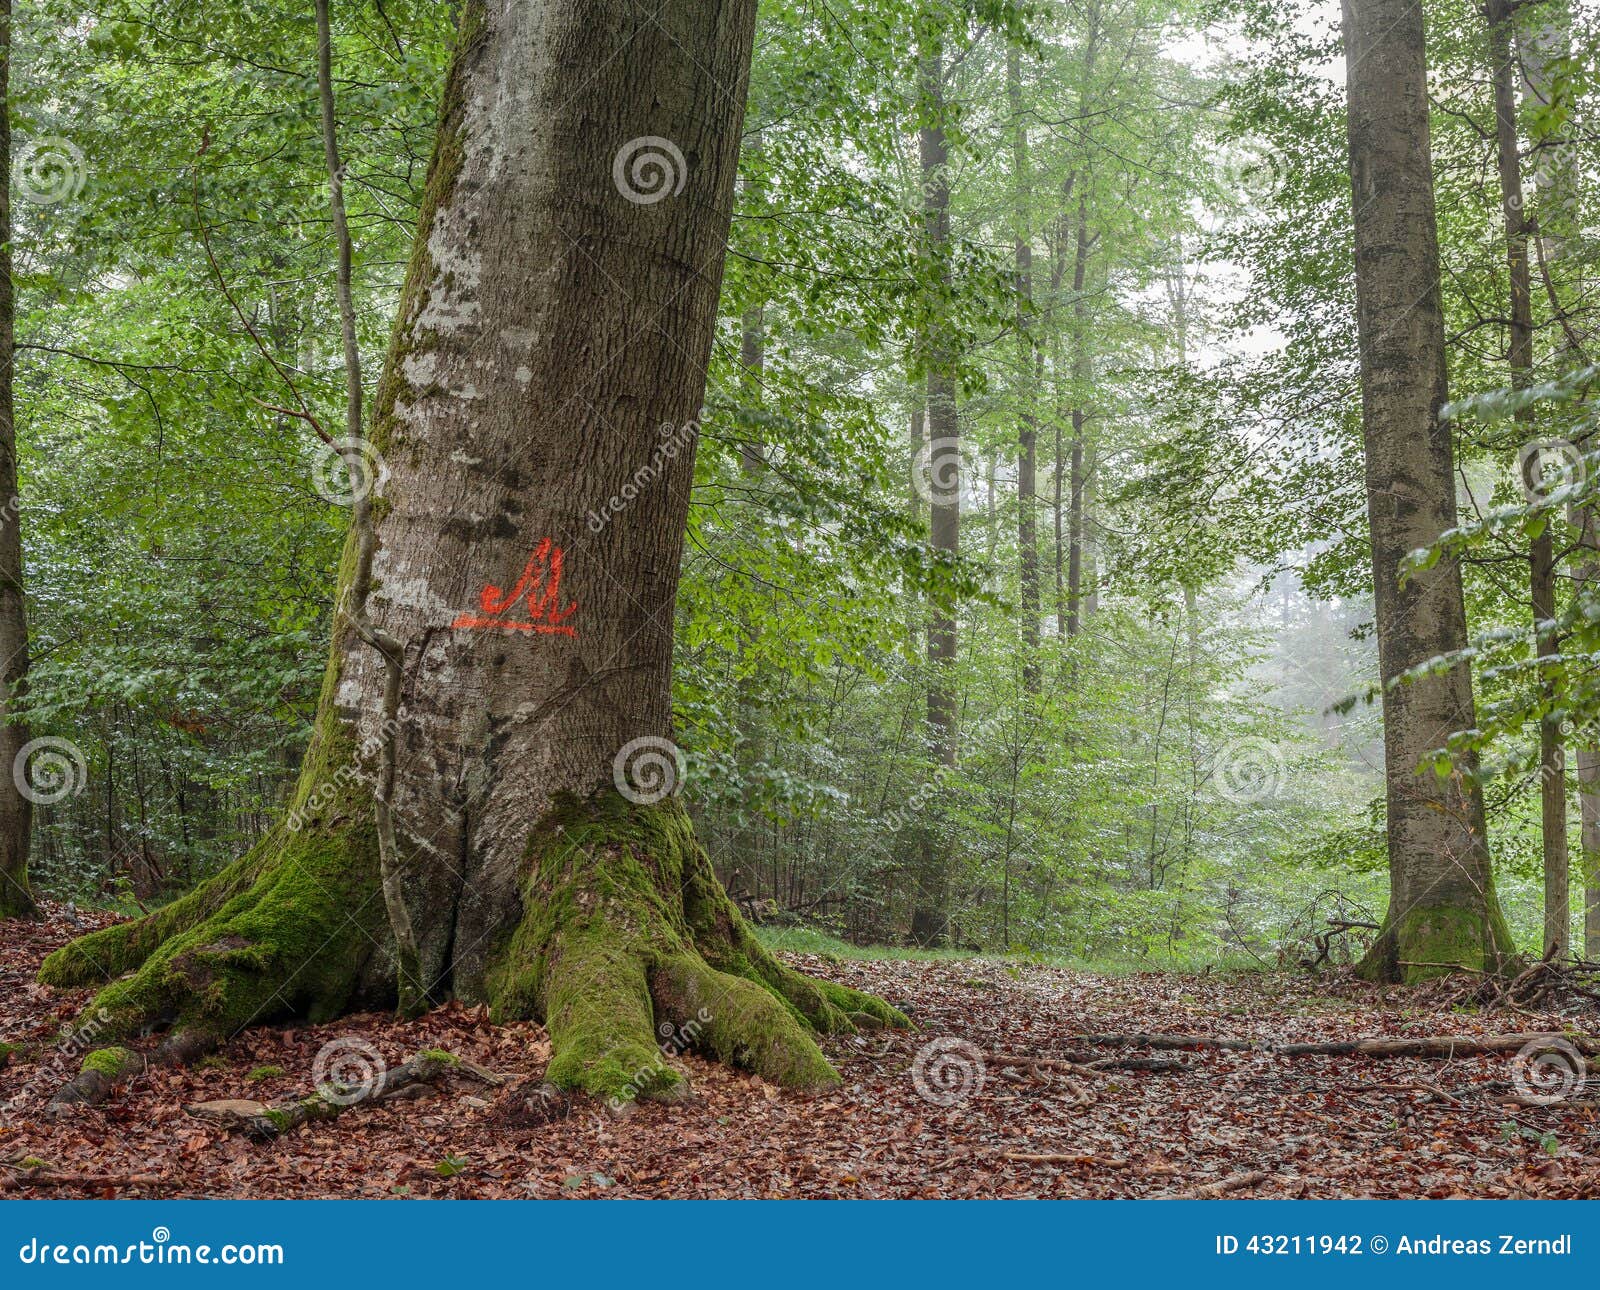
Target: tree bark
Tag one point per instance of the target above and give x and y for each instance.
(1080, 381)
(1541, 553)
(930, 915)
(1543, 35)
(546, 865)
(1442, 907)
(16, 808)
(1027, 374)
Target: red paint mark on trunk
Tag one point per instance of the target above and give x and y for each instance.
(539, 588)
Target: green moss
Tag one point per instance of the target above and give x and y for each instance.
(32, 1162)
(277, 1118)
(292, 944)
(440, 1056)
(260, 1073)
(627, 938)
(1430, 941)
(742, 1023)
(117, 950)
(113, 1063)
(285, 930)
(8, 1051)
(16, 896)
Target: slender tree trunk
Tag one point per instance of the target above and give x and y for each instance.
(1589, 829)
(16, 808)
(1058, 502)
(1027, 374)
(546, 865)
(1541, 555)
(1080, 381)
(930, 917)
(752, 466)
(1543, 37)
(1091, 548)
(916, 415)
(1442, 905)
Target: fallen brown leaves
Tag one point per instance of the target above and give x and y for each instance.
(1047, 1119)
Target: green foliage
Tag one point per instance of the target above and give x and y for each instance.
(1196, 778)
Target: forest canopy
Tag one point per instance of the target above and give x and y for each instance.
(1026, 601)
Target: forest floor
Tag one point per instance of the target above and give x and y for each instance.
(1252, 1123)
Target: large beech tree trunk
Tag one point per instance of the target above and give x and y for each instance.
(1442, 905)
(552, 339)
(16, 810)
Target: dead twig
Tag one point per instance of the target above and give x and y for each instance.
(1222, 1187)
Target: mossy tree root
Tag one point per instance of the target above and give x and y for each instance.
(285, 931)
(629, 947)
(1429, 941)
(101, 1072)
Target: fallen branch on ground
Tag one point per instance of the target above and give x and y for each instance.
(1085, 1064)
(1324, 940)
(42, 1177)
(1237, 1182)
(101, 1072)
(1050, 1158)
(262, 1121)
(1418, 1046)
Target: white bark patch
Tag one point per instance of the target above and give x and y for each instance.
(410, 593)
(457, 270)
(420, 369)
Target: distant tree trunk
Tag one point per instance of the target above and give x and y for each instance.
(752, 467)
(1442, 906)
(930, 917)
(16, 810)
(1541, 554)
(1091, 547)
(1027, 373)
(916, 414)
(1080, 381)
(548, 868)
(1542, 37)
(1058, 503)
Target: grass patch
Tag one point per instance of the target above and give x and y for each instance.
(266, 1072)
(808, 940)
